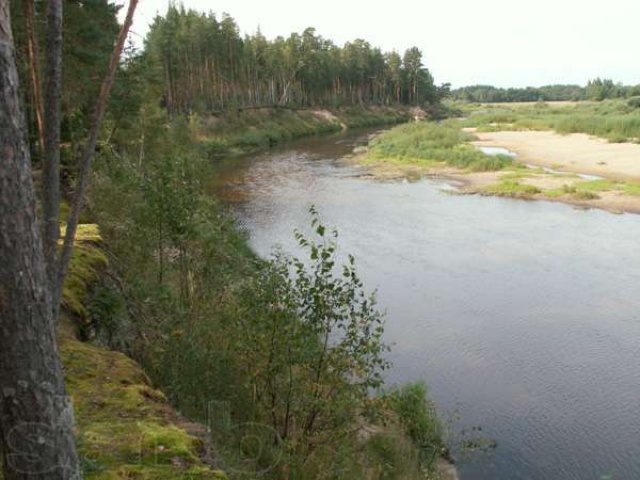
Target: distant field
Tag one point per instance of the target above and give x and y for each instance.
(562, 103)
(617, 121)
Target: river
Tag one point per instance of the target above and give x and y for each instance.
(522, 317)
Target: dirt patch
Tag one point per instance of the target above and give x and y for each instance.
(328, 116)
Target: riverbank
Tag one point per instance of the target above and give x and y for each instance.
(569, 169)
(189, 292)
(249, 130)
(126, 428)
(573, 153)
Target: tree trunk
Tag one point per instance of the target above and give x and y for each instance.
(36, 418)
(88, 154)
(32, 44)
(51, 164)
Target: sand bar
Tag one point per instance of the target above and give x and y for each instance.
(577, 152)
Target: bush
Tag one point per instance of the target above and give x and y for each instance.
(420, 421)
(434, 142)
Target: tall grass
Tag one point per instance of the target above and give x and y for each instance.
(614, 120)
(429, 142)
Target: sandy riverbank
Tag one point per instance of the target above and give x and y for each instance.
(566, 154)
(577, 152)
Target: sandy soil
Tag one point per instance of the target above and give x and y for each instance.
(578, 153)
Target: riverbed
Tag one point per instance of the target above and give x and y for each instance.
(522, 317)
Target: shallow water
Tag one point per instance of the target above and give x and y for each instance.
(522, 317)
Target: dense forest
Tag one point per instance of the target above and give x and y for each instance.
(596, 89)
(206, 65)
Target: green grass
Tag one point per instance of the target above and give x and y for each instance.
(589, 190)
(631, 188)
(510, 188)
(428, 143)
(258, 129)
(585, 195)
(614, 120)
(594, 186)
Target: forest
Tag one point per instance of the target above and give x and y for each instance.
(204, 65)
(596, 89)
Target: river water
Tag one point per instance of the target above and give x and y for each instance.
(522, 317)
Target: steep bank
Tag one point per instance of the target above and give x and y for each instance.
(238, 131)
(125, 427)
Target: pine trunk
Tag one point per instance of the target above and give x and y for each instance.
(36, 418)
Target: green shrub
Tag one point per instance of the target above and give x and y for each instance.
(418, 417)
(424, 142)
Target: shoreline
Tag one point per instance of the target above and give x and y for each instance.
(537, 172)
(571, 153)
(480, 183)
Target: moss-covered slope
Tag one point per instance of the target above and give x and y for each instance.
(126, 428)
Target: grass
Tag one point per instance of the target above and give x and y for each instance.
(601, 185)
(258, 129)
(429, 143)
(631, 188)
(614, 120)
(589, 190)
(511, 188)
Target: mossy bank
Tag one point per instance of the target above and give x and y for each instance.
(126, 427)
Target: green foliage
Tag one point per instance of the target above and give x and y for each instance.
(251, 130)
(548, 93)
(597, 89)
(510, 188)
(109, 320)
(634, 102)
(417, 415)
(428, 142)
(125, 427)
(614, 120)
(203, 65)
(89, 28)
(308, 340)
(288, 351)
(600, 89)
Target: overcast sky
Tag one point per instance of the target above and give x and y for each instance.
(464, 42)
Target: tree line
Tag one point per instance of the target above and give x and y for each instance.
(203, 64)
(596, 89)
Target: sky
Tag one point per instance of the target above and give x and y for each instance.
(506, 43)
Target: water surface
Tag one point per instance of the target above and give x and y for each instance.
(522, 317)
